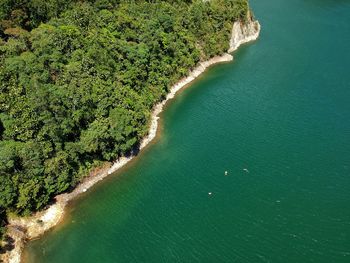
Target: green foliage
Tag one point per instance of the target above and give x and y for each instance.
(78, 80)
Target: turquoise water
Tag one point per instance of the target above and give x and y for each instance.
(281, 110)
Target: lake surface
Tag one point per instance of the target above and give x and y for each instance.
(277, 119)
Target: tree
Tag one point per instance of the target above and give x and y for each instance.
(79, 79)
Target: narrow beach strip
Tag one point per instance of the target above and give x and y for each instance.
(23, 229)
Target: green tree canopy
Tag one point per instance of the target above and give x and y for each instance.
(79, 79)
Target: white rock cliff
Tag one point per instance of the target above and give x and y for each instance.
(243, 33)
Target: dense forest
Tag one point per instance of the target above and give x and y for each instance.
(78, 80)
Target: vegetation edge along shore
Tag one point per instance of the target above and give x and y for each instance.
(40, 218)
(22, 229)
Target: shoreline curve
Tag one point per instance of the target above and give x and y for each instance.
(28, 228)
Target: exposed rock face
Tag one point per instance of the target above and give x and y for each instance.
(15, 237)
(243, 33)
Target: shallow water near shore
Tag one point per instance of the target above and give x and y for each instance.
(281, 111)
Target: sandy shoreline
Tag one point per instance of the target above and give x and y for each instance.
(23, 229)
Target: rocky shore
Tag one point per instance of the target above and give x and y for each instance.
(21, 230)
